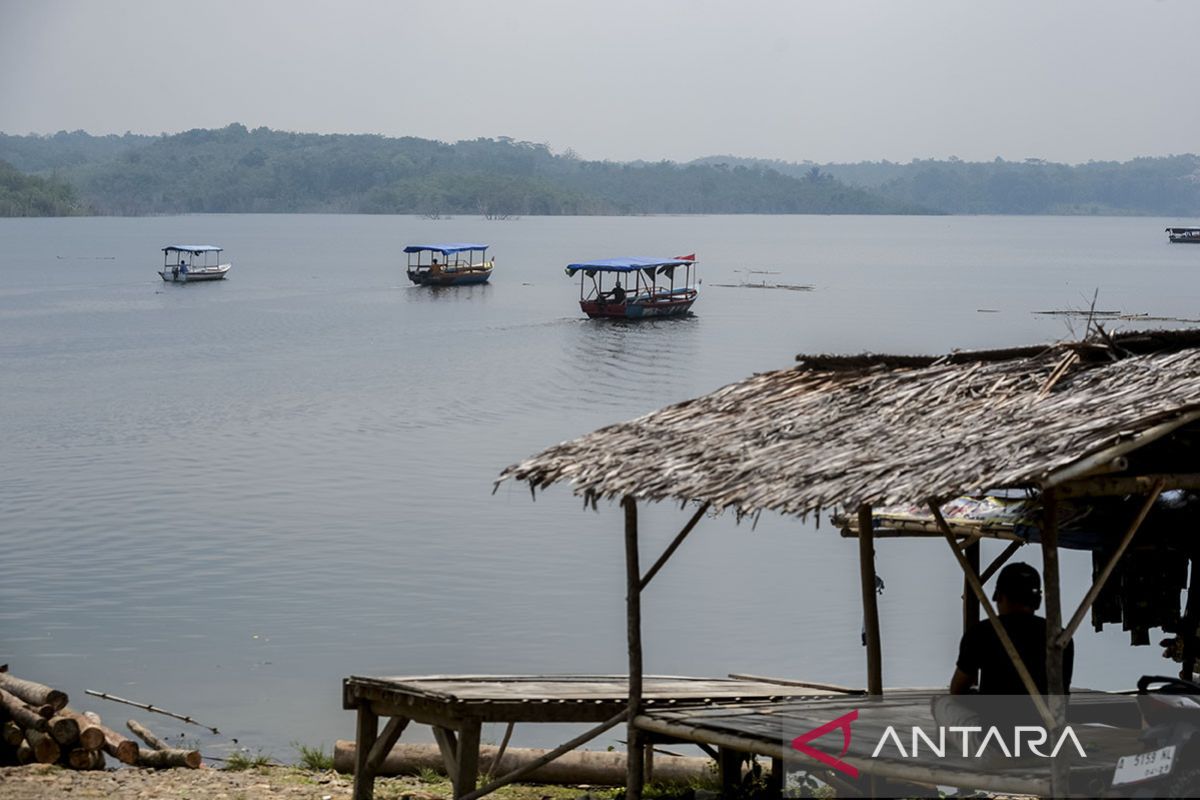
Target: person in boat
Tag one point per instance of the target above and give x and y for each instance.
(434, 266)
(617, 295)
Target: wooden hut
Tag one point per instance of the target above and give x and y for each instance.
(1110, 416)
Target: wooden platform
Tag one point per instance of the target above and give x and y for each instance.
(767, 728)
(455, 706)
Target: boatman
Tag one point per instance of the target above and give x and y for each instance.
(618, 294)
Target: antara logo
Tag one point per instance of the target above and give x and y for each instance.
(1033, 737)
(801, 743)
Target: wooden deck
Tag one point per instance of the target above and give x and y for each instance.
(456, 706)
(767, 728)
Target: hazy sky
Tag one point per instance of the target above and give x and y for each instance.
(835, 80)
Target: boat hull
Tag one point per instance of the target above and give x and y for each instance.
(464, 278)
(1185, 239)
(640, 308)
(195, 276)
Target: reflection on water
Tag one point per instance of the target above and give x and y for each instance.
(226, 497)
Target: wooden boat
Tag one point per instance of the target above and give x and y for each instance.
(188, 263)
(1184, 235)
(641, 287)
(457, 265)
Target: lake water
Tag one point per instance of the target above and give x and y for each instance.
(224, 498)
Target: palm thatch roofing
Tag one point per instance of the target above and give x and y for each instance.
(843, 430)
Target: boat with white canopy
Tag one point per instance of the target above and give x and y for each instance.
(188, 263)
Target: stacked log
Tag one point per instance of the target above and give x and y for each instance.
(39, 728)
(36, 726)
(160, 755)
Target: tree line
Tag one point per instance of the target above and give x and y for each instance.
(236, 170)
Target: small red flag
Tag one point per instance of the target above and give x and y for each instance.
(691, 257)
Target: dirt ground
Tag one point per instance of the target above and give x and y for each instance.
(47, 782)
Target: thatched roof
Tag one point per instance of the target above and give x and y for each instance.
(838, 431)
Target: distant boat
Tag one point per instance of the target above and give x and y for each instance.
(641, 287)
(1184, 235)
(454, 268)
(187, 263)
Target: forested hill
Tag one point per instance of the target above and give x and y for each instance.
(24, 195)
(238, 170)
(233, 169)
(1167, 186)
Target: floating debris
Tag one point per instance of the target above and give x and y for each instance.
(1118, 315)
(790, 287)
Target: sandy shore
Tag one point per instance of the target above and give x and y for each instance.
(45, 782)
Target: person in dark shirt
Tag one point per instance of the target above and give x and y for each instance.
(982, 661)
(618, 294)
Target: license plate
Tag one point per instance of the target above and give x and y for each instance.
(1143, 766)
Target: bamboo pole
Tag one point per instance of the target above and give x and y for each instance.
(635, 763)
(148, 707)
(970, 603)
(866, 566)
(1005, 641)
(1106, 573)
(671, 548)
(1000, 560)
(1060, 768)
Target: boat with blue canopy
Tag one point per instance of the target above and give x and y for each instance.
(639, 287)
(188, 263)
(452, 264)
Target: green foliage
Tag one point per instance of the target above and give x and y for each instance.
(234, 170)
(30, 196)
(314, 758)
(238, 762)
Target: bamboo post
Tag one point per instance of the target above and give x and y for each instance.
(636, 765)
(970, 607)
(1060, 769)
(999, 561)
(866, 564)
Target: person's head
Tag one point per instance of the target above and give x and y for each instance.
(1018, 589)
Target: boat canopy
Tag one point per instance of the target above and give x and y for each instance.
(445, 249)
(627, 264)
(1183, 230)
(192, 248)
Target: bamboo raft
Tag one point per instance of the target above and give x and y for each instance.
(456, 706)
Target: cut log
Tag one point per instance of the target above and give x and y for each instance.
(35, 694)
(25, 753)
(146, 735)
(596, 767)
(165, 759)
(162, 755)
(116, 745)
(90, 735)
(13, 734)
(45, 749)
(64, 730)
(20, 713)
(85, 759)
